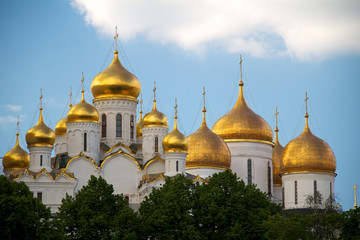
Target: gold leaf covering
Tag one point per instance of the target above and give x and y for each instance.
(16, 158)
(60, 128)
(83, 112)
(175, 141)
(115, 82)
(40, 135)
(276, 157)
(155, 118)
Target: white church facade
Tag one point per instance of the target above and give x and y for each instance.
(104, 139)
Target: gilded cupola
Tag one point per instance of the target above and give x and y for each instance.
(206, 149)
(83, 111)
(175, 141)
(40, 135)
(140, 122)
(307, 153)
(16, 158)
(276, 155)
(155, 118)
(115, 82)
(60, 128)
(241, 123)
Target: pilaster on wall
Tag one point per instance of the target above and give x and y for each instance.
(148, 147)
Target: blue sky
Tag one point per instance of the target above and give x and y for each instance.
(287, 50)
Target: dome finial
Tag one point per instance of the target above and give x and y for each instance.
(241, 82)
(276, 127)
(116, 37)
(175, 117)
(204, 108)
(306, 112)
(70, 104)
(17, 132)
(82, 87)
(41, 96)
(154, 90)
(141, 101)
(355, 200)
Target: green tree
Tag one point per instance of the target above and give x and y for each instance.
(167, 212)
(227, 208)
(350, 224)
(96, 213)
(21, 215)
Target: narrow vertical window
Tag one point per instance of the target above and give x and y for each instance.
(283, 197)
(39, 196)
(132, 127)
(118, 125)
(269, 179)
(85, 142)
(296, 193)
(127, 200)
(315, 192)
(249, 171)
(156, 144)
(41, 160)
(177, 166)
(103, 126)
(331, 193)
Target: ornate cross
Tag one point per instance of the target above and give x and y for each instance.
(276, 116)
(355, 204)
(306, 102)
(41, 96)
(82, 81)
(116, 37)
(154, 90)
(204, 92)
(17, 125)
(70, 105)
(176, 108)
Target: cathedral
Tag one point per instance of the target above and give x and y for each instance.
(104, 139)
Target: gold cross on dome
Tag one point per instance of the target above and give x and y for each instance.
(82, 81)
(154, 90)
(276, 116)
(355, 204)
(176, 106)
(17, 125)
(204, 92)
(116, 37)
(306, 102)
(141, 101)
(41, 96)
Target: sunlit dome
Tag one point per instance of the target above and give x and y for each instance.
(40, 135)
(16, 158)
(83, 112)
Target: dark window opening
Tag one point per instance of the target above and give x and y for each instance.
(132, 127)
(41, 160)
(156, 144)
(39, 196)
(177, 166)
(118, 125)
(249, 171)
(85, 142)
(269, 179)
(283, 197)
(296, 193)
(103, 126)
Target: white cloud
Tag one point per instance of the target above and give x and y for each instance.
(14, 108)
(304, 29)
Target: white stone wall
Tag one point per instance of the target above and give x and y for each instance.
(148, 147)
(305, 187)
(111, 108)
(75, 139)
(60, 145)
(260, 155)
(36, 153)
(170, 163)
(277, 195)
(82, 168)
(203, 172)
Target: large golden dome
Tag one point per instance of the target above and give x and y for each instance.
(16, 158)
(115, 82)
(155, 118)
(60, 128)
(207, 150)
(175, 141)
(83, 112)
(307, 153)
(40, 135)
(276, 157)
(241, 123)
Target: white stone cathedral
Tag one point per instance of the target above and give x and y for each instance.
(103, 140)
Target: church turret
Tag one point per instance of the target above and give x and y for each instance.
(175, 147)
(276, 158)
(154, 129)
(83, 129)
(40, 141)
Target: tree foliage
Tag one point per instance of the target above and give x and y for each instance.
(21, 215)
(96, 213)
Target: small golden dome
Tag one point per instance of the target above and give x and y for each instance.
(175, 141)
(155, 118)
(307, 153)
(139, 125)
(115, 82)
(60, 128)
(16, 158)
(206, 149)
(40, 135)
(242, 123)
(276, 157)
(83, 112)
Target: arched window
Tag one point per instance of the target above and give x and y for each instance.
(103, 126)
(118, 125)
(156, 144)
(296, 193)
(132, 127)
(249, 171)
(85, 142)
(269, 179)
(41, 160)
(315, 192)
(177, 166)
(283, 197)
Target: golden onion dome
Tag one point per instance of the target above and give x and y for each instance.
(115, 82)
(206, 149)
(175, 141)
(40, 135)
(155, 118)
(60, 128)
(276, 159)
(139, 125)
(16, 158)
(307, 153)
(241, 123)
(83, 112)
